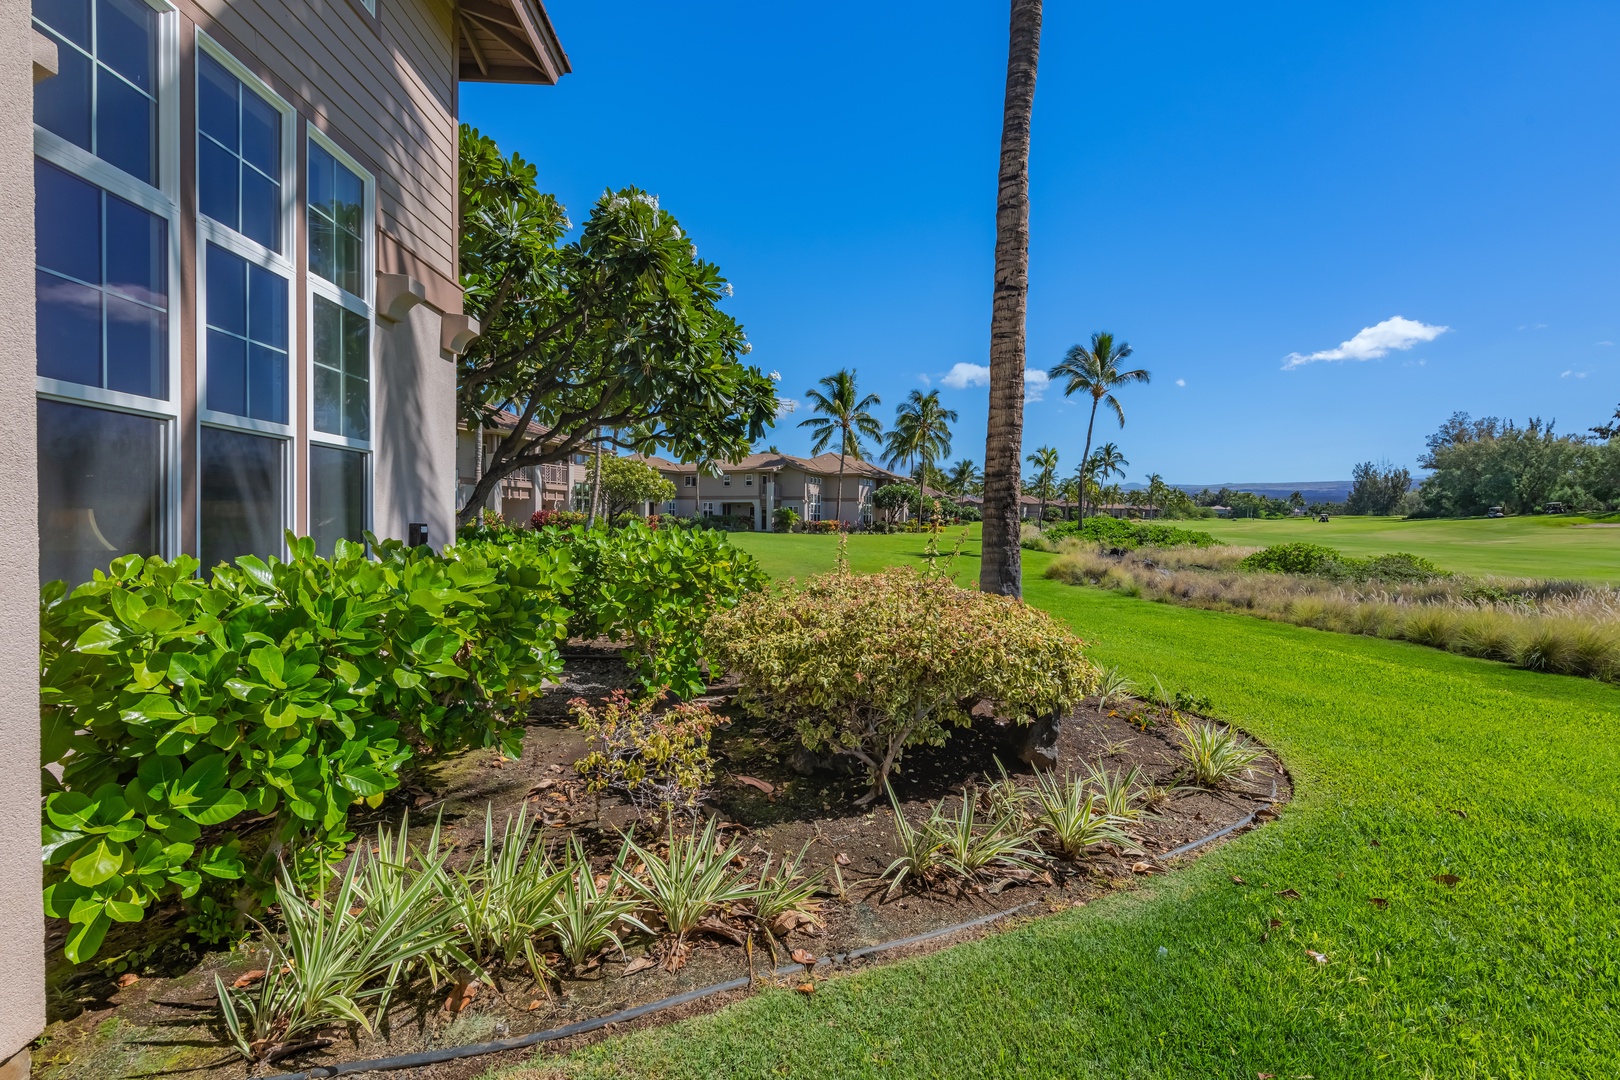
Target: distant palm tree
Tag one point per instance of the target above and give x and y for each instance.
(845, 417)
(921, 433)
(1105, 461)
(1045, 460)
(964, 478)
(1000, 567)
(1157, 491)
(1097, 372)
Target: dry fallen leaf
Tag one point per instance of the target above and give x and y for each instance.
(128, 979)
(1378, 902)
(535, 1004)
(1447, 879)
(1374, 843)
(1238, 881)
(806, 988)
(248, 978)
(789, 921)
(640, 963)
(1274, 923)
(1320, 958)
(1265, 1076)
(1460, 813)
(722, 930)
(841, 859)
(1145, 868)
(803, 956)
(755, 782)
(1289, 894)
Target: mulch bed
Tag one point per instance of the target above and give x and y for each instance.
(159, 1016)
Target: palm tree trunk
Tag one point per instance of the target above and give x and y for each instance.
(1001, 570)
(840, 500)
(1084, 457)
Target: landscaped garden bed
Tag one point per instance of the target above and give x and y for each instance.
(768, 799)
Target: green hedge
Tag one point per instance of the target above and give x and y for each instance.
(1130, 534)
(276, 694)
(1317, 560)
(202, 732)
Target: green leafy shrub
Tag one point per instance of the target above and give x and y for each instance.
(556, 519)
(784, 519)
(653, 589)
(870, 665)
(175, 706)
(658, 761)
(1129, 535)
(1316, 560)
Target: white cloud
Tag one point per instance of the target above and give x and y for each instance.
(1609, 343)
(1181, 382)
(925, 379)
(1372, 342)
(1573, 375)
(963, 376)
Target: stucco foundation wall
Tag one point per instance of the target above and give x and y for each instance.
(22, 918)
(414, 468)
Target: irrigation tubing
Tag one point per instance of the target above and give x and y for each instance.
(581, 1027)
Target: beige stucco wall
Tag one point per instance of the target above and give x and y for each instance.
(414, 472)
(22, 918)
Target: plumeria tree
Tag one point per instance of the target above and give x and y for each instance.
(619, 331)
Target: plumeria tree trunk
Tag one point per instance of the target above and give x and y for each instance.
(1001, 570)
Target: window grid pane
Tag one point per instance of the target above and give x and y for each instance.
(104, 98)
(247, 338)
(342, 371)
(336, 222)
(101, 290)
(337, 496)
(238, 154)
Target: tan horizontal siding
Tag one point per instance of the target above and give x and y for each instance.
(383, 88)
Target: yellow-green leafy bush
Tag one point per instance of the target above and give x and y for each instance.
(868, 665)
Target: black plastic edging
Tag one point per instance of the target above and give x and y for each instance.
(580, 1027)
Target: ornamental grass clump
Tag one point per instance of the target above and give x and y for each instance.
(1067, 812)
(869, 665)
(1216, 756)
(693, 881)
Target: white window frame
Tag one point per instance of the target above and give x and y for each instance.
(162, 200)
(360, 305)
(691, 481)
(281, 264)
(812, 500)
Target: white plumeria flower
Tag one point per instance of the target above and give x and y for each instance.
(776, 376)
(728, 288)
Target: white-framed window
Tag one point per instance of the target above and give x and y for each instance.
(708, 509)
(341, 212)
(748, 481)
(691, 481)
(725, 480)
(812, 501)
(246, 157)
(107, 262)
(863, 501)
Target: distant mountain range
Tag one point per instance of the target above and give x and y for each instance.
(1313, 490)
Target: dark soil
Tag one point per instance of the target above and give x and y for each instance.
(151, 1010)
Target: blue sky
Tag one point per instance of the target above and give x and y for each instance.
(1223, 186)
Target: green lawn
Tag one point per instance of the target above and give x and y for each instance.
(1409, 763)
(1565, 546)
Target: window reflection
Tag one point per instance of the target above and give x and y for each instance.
(243, 495)
(100, 489)
(337, 496)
